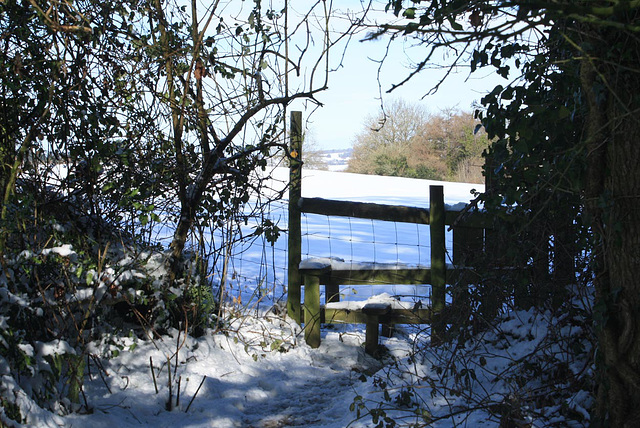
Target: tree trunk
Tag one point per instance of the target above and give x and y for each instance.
(613, 200)
(620, 335)
(188, 208)
(185, 223)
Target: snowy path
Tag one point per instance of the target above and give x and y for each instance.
(301, 402)
(312, 392)
(245, 383)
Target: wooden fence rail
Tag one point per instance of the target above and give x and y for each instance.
(383, 212)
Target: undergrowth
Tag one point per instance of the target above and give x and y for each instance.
(68, 280)
(532, 368)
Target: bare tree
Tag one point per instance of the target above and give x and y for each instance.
(381, 148)
(226, 75)
(406, 140)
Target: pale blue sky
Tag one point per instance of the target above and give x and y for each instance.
(353, 93)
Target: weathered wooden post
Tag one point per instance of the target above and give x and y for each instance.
(312, 310)
(438, 254)
(332, 291)
(373, 311)
(295, 238)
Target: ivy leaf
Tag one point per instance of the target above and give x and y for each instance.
(454, 24)
(521, 146)
(563, 112)
(409, 13)
(397, 7)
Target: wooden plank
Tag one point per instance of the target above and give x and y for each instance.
(342, 316)
(458, 275)
(295, 236)
(379, 276)
(396, 213)
(395, 316)
(376, 309)
(364, 210)
(408, 316)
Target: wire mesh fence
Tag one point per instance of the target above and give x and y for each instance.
(253, 270)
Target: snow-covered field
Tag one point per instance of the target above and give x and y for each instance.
(260, 373)
(350, 239)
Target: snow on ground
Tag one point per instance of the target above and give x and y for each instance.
(350, 239)
(261, 377)
(260, 373)
(375, 188)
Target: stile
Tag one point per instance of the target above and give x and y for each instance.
(468, 243)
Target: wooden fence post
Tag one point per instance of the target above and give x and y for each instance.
(312, 310)
(332, 291)
(295, 239)
(438, 254)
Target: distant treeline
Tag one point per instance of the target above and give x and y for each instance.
(407, 141)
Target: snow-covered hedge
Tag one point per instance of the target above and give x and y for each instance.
(60, 293)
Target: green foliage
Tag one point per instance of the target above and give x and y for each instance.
(537, 363)
(395, 406)
(39, 311)
(62, 288)
(384, 164)
(555, 127)
(536, 162)
(11, 410)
